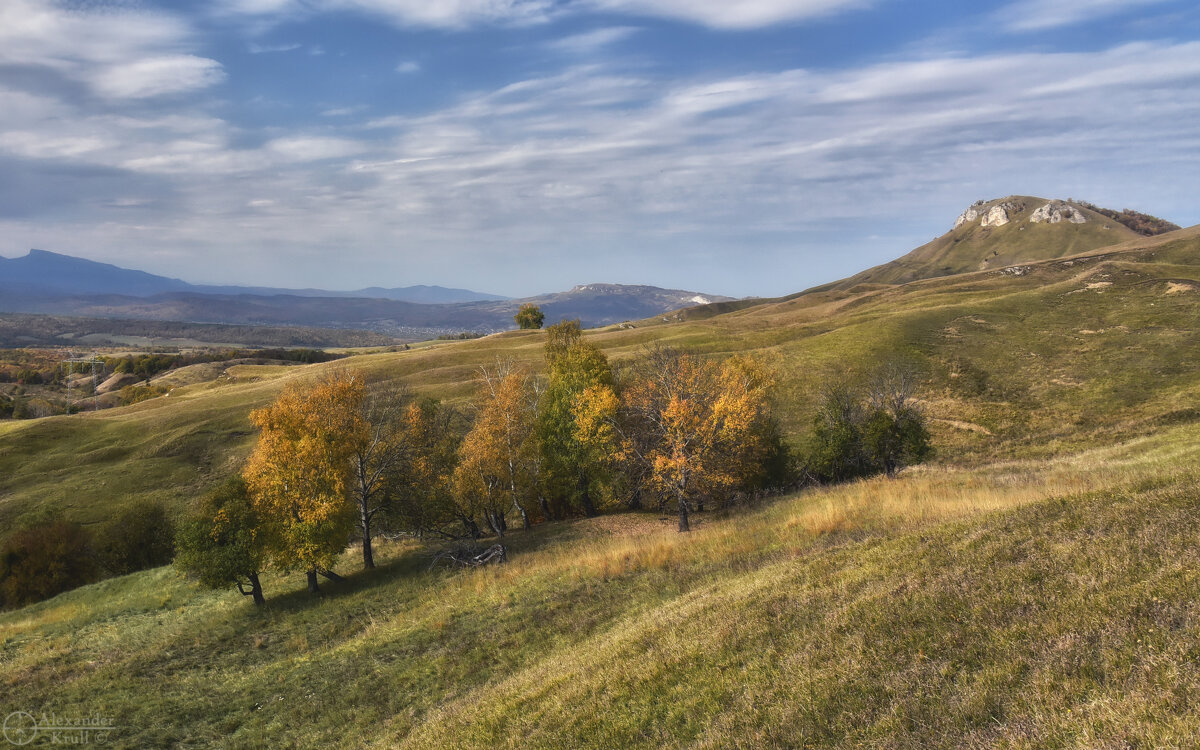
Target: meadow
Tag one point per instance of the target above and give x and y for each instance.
(1034, 586)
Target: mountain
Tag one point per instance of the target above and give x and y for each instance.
(52, 284)
(42, 273)
(1005, 231)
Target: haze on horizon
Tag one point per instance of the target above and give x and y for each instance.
(524, 146)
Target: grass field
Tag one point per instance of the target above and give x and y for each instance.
(1022, 603)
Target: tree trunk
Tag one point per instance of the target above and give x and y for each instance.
(496, 522)
(313, 587)
(255, 589)
(635, 500)
(683, 515)
(368, 553)
(330, 575)
(585, 497)
(525, 524)
(545, 506)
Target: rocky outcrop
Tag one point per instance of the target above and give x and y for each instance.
(1056, 212)
(971, 214)
(997, 216)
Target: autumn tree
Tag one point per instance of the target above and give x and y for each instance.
(529, 316)
(300, 475)
(379, 449)
(497, 457)
(697, 425)
(580, 387)
(420, 484)
(223, 541)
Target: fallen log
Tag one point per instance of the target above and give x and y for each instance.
(470, 557)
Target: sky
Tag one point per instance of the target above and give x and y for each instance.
(516, 147)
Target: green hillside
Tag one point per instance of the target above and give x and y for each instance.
(1033, 587)
(1017, 604)
(1062, 353)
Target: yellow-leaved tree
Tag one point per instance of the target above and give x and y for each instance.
(697, 426)
(300, 475)
(498, 459)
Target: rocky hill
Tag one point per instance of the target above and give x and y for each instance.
(1004, 231)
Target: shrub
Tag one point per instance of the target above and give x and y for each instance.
(139, 537)
(41, 561)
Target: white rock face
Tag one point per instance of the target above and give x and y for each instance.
(969, 215)
(1056, 213)
(997, 217)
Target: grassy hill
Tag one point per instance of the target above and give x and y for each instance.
(975, 245)
(1034, 587)
(1028, 362)
(1016, 604)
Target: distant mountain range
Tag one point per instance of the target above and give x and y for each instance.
(55, 284)
(42, 272)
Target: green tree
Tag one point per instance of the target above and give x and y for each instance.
(530, 316)
(223, 543)
(139, 537)
(574, 458)
(894, 431)
(836, 449)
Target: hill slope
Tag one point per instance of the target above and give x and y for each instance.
(1026, 604)
(999, 233)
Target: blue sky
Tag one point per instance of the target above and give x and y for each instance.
(525, 146)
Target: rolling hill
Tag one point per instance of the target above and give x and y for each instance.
(1033, 587)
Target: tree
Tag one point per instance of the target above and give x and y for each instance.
(498, 456)
(421, 486)
(530, 316)
(223, 541)
(580, 386)
(837, 451)
(300, 475)
(139, 537)
(43, 560)
(697, 425)
(894, 432)
(378, 450)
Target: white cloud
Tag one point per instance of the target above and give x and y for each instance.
(723, 14)
(450, 15)
(260, 49)
(314, 148)
(1041, 15)
(408, 66)
(119, 53)
(593, 41)
(155, 76)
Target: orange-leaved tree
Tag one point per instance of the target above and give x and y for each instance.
(498, 457)
(696, 425)
(300, 474)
